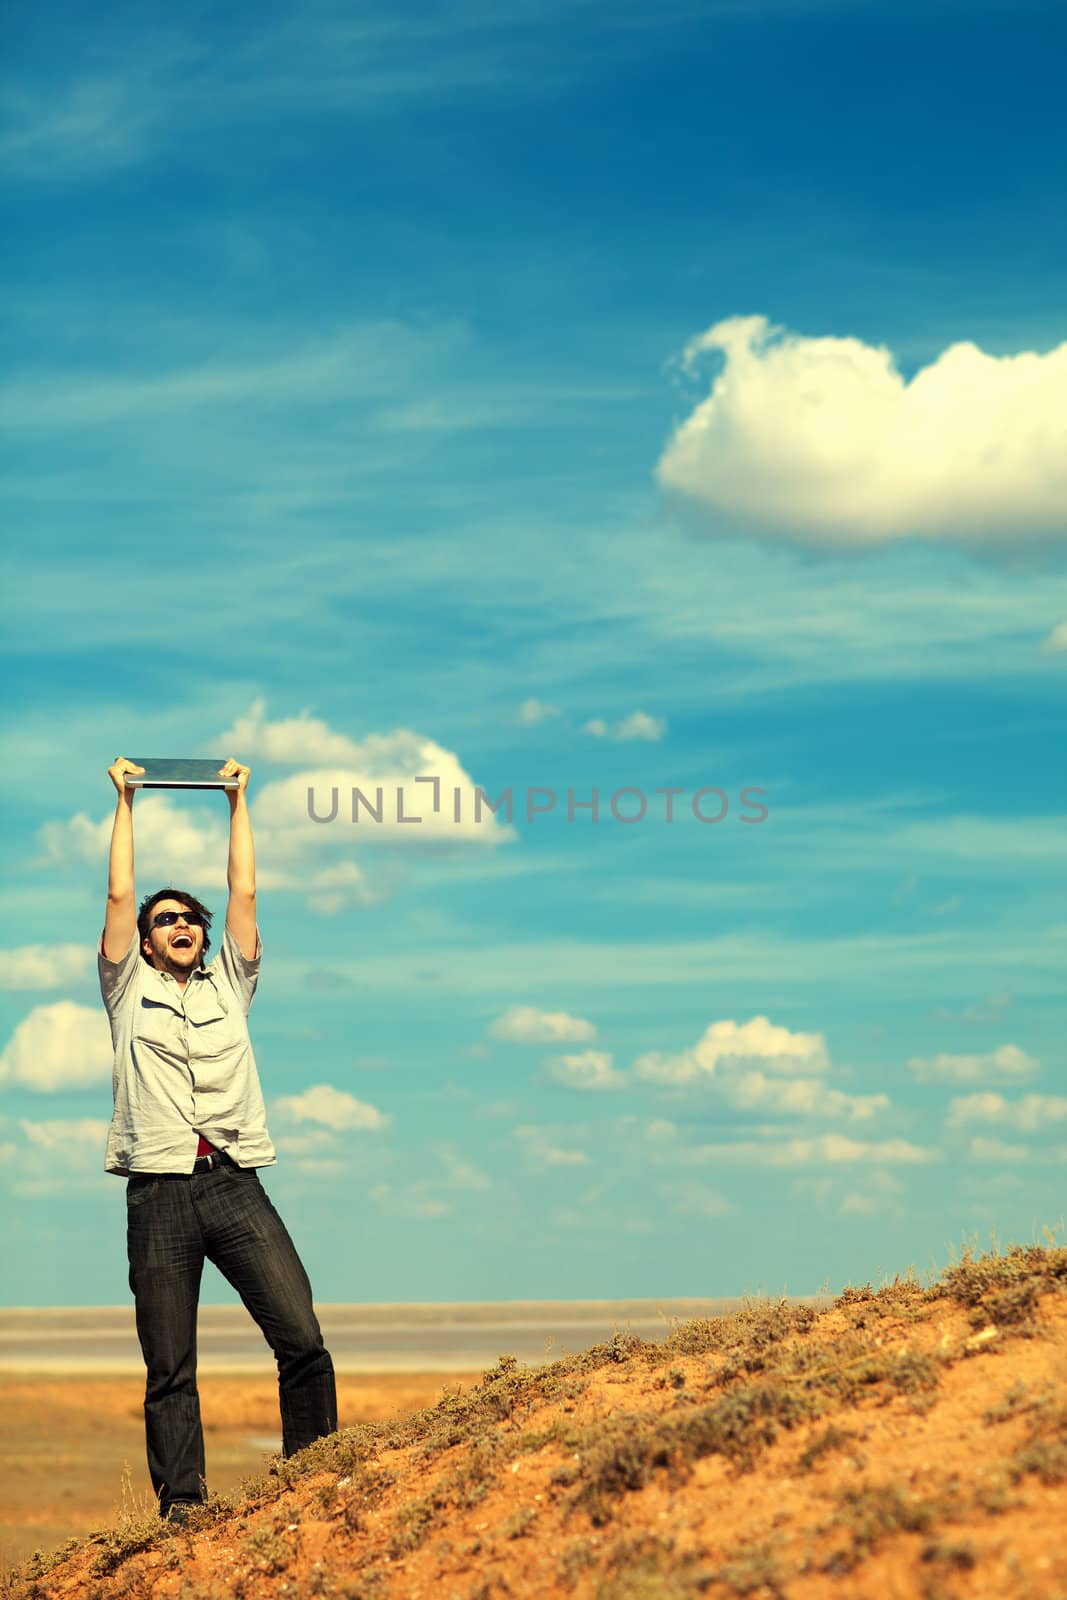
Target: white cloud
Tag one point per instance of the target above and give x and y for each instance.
(1056, 643)
(172, 844)
(527, 1025)
(290, 741)
(542, 1152)
(750, 1091)
(334, 1108)
(988, 1010)
(415, 1200)
(346, 364)
(760, 1040)
(877, 1192)
(335, 888)
(45, 966)
(411, 791)
(1006, 1062)
(590, 1069)
(61, 1046)
(1029, 1115)
(639, 725)
(822, 440)
(316, 1142)
(56, 1156)
(402, 775)
(696, 1200)
(996, 1150)
(829, 1148)
(459, 1172)
(65, 1137)
(531, 712)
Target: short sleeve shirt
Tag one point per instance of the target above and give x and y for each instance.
(183, 1062)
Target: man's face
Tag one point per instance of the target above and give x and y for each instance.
(177, 948)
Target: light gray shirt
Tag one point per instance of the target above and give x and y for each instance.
(183, 1062)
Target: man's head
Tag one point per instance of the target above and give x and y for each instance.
(173, 929)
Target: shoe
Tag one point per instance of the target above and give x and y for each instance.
(179, 1512)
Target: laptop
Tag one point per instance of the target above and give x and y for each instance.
(174, 772)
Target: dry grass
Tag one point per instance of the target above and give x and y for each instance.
(629, 1423)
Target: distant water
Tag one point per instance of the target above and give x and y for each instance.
(375, 1338)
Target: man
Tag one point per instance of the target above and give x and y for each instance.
(189, 1132)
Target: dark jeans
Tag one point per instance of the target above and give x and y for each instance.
(173, 1223)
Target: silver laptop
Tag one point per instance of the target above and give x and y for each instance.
(174, 772)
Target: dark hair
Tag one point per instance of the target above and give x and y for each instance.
(144, 916)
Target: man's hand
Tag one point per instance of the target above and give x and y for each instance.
(118, 772)
(121, 918)
(234, 769)
(241, 868)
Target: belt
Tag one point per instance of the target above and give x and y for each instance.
(217, 1158)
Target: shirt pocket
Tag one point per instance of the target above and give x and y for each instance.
(156, 1024)
(212, 1029)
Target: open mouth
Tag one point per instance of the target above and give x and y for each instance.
(182, 942)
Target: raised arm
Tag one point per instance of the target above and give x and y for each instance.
(121, 918)
(241, 867)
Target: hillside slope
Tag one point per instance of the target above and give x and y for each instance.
(905, 1442)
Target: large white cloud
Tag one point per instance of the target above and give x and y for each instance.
(61, 1046)
(822, 440)
(403, 775)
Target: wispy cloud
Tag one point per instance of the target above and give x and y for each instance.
(541, 1150)
(82, 120)
(587, 1069)
(831, 1149)
(41, 966)
(522, 1024)
(1008, 1061)
(639, 725)
(532, 711)
(353, 364)
(1030, 1114)
(994, 1150)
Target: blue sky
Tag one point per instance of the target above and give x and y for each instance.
(552, 397)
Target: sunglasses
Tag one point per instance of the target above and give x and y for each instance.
(167, 919)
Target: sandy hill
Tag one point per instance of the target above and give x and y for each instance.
(910, 1441)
